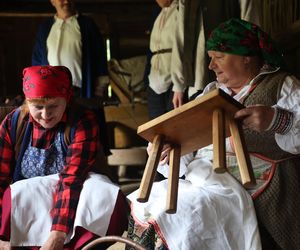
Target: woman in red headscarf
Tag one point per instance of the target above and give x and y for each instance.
(49, 196)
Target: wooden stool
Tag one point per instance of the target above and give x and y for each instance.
(208, 119)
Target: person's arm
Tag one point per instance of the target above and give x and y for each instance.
(176, 61)
(283, 118)
(80, 158)
(289, 138)
(39, 52)
(6, 157)
(55, 241)
(163, 166)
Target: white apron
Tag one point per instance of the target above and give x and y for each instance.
(32, 201)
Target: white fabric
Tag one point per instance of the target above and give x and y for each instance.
(32, 201)
(64, 46)
(162, 37)
(213, 212)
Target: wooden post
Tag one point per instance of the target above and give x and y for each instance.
(243, 158)
(218, 139)
(150, 169)
(173, 179)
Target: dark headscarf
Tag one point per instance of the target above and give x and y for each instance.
(239, 37)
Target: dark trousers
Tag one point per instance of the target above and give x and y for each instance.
(158, 104)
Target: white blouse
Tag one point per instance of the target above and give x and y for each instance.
(162, 38)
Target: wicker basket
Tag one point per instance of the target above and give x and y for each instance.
(106, 239)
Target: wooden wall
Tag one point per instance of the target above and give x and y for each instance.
(125, 22)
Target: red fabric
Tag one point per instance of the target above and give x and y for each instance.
(80, 157)
(47, 81)
(117, 225)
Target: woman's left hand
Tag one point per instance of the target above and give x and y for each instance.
(257, 117)
(55, 241)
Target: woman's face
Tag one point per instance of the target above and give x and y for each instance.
(230, 69)
(65, 6)
(164, 3)
(48, 113)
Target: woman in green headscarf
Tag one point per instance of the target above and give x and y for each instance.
(214, 211)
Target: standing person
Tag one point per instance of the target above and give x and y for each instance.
(160, 87)
(73, 40)
(213, 210)
(48, 195)
(196, 20)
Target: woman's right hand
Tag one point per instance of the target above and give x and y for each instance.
(4, 245)
(55, 241)
(177, 99)
(164, 157)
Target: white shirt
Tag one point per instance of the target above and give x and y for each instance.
(64, 46)
(162, 37)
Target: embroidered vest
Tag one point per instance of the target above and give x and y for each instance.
(267, 92)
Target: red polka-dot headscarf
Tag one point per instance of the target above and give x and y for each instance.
(47, 82)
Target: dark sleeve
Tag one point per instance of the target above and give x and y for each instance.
(39, 52)
(97, 47)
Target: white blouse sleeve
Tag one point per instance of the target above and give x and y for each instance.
(177, 51)
(290, 100)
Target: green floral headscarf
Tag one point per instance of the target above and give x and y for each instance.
(239, 37)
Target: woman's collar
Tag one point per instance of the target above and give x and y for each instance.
(265, 70)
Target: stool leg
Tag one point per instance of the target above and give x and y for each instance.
(150, 169)
(218, 138)
(173, 180)
(243, 159)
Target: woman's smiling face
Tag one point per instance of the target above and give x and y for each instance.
(49, 112)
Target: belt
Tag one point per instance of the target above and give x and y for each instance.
(161, 51)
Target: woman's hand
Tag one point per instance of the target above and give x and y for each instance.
(164, 157)
(55, 241)
(177, 99)
(257, 117)
(4, 245)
